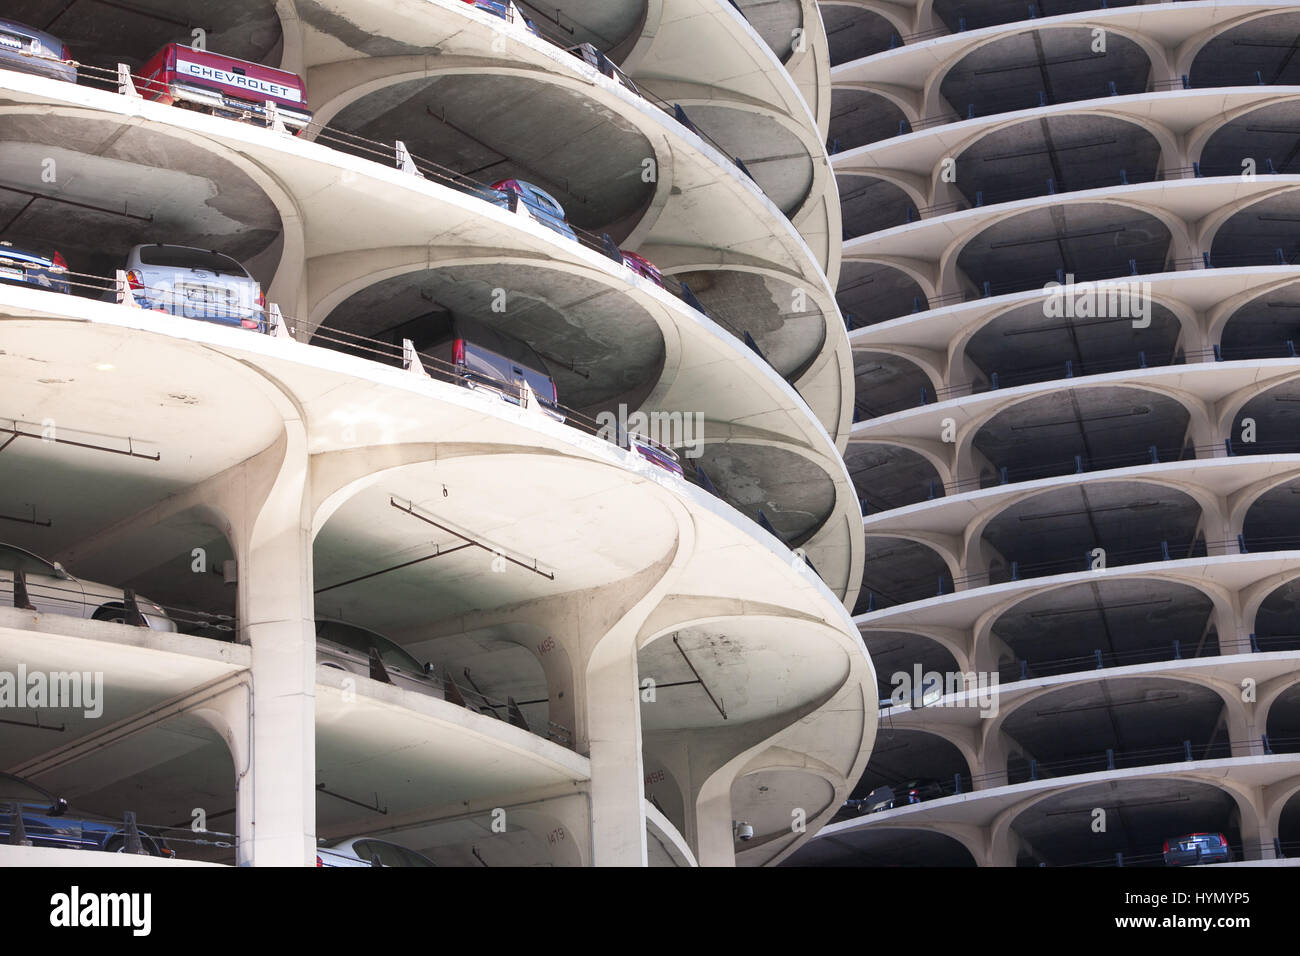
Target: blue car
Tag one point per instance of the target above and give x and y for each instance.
(540, 204)
(27, 266)
(46, 822)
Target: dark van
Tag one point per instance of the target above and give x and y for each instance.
(481, 357)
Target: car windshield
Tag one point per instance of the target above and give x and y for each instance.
(360, 640)
(16, 788)
(16, 559)
(180, 257)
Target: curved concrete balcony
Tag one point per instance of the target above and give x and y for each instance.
(1038, 822)
(1150, 225)
(392, 452)
(973, 442)
(1232, 309)
(326, 258)
(921, 79)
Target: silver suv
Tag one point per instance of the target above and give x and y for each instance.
(195, 284)
(29, 50)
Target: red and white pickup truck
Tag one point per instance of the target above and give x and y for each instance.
(223, 84)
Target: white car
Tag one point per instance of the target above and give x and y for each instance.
(195, 284)
(365, 851)
(52, 590)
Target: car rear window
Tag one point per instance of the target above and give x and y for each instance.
(178, 257)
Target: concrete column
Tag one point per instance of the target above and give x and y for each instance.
(617, 770)
(276, 615)
(715, 846)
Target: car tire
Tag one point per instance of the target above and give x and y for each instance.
(117, 844)
(114, 615)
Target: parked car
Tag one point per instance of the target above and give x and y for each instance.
(52, 590)
(480, 357)
(887, 797)
(365, 851)
(539, 204)
(656, 454)
(347, 647)
(1195, 848)
(48, 821)
(595, 58)
(506, 11)
(643, 267)
(224, 85)
(195, 284)
(29, 50)
(26, 265)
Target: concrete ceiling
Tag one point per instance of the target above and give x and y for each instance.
(1055, 531)
(1024, 346)
(560, 518)
(600, 347)
(1265, 45)
(793, 492)
(1264, 325)
(869, 293)
(1074, 152)
(101, 34)
(1276, 621)
(1253, 235)
(1088, 240)
(1009, 73)
(869, 205)
(859, 117)
(1140, 815)
(1274, 413)
(753, 668)
(897, 571)
(898, 652)
(1108, 427)
(1140, 719)
(775, 21)
(1273, 521)
(94, 384)
(901, 756)
(768, 799)
(853, 32)
(492, 127)
(775, 157)
(882, 847)
(116, 187)
(1119, 616)
(886, 383)
(888, 476)
(1269, 133)
(987, 13)
(781, 318)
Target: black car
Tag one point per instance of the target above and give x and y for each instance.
(48, 821)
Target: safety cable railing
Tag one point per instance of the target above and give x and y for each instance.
(1031, 770)
(116, 79)
(270, 321)
(29, 824)
(1018, 99)
(874, 598)
(397, 155)
(126, 607)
